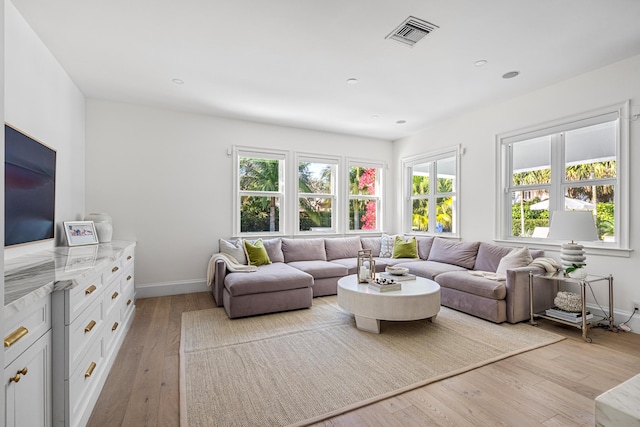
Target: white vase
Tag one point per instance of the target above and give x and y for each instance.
(102, 222)
(579, 273)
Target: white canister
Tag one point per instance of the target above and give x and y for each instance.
(102, 221)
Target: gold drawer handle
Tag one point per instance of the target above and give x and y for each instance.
(90, 290)
(16, 379)
(90, 370)
(115, 295)
(129, 302)
(114, 327)
(114, 269)
(129, 277)
(15, 336)
(129, 257)
(90, 326)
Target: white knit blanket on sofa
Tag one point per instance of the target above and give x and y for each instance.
(232, 265)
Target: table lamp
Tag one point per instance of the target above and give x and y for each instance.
(574, 226)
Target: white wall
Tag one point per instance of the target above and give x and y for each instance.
(477, 133)
(166, 180)
(41, 100)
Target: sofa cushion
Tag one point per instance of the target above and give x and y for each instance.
(428, 269)
(233, 248)
(342, 247)
(405, 248)
(386, 245)
(269, 278)
(256, 253)
(303, 250)
(489, 256)
(274, 249)
(320, 269)
(350, 263)
(516, 258)
(468, 283)
(424, 246)
(462, 254)
(372, 243)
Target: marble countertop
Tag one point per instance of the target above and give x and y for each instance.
(30, 277)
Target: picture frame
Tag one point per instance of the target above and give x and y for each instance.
(80, 233)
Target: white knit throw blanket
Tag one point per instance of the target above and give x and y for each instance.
(232, 265)
(549, 264)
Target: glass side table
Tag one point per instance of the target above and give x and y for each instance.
(584, 324)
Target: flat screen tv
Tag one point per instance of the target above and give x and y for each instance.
(29, 189)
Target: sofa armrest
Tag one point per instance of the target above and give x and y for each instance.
(218, 282)
(517, 299)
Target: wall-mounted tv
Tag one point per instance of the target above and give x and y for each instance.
(29, 189)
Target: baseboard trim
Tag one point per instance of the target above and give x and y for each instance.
(619, 317)
(151, 290)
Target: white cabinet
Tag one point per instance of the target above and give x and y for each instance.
(27, 374)
(89, 325)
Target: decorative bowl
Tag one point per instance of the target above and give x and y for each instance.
(397, 271)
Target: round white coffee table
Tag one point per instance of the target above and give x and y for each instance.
(418, 299)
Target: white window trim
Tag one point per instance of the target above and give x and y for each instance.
(622, 214)
(263, 153)
(407, 180)
(334, 196)
(352, 161)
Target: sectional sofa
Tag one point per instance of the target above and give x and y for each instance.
(301, 269)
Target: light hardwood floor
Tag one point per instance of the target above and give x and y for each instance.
(551, 386)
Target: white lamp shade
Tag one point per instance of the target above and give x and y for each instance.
(577, 226)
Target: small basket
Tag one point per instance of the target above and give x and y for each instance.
(568, 301)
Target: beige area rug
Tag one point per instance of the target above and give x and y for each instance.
(304, 366)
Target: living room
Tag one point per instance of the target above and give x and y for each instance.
(165, 174)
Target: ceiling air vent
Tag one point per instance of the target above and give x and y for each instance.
(411, 31)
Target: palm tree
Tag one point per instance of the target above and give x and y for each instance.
(261, 175)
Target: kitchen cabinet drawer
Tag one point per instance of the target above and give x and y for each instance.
(78, 298)
(82, 332)
(112, 298)
(84, 381)
(24, 328)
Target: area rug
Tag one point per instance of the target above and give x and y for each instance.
(301, 367)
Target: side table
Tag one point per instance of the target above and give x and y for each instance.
(560, 277)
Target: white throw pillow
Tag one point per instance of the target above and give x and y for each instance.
(514, 259)
(386, 245)
(235, 249)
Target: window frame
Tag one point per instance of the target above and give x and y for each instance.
(378, 197)
(335, 199)
(267, 154)
(433, 157)
(556, 129)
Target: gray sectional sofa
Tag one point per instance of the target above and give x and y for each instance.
(301, 269)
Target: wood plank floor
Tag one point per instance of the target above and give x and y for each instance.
(551, 386)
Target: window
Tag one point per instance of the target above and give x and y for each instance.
(364, 196)
(261, 196)
(431, 188)
(316, 194)
(574, 165)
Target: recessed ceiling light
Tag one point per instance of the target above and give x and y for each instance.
(375, 117)
(177, 81)
(352, 81)
(401, 122)
(510, 74)
(480, 63)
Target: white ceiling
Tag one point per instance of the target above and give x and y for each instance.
(287, 61)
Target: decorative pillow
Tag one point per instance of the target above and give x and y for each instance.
(514, 259)
(274, 249)
(372, 243)
(405, 248)
(462, 254)
(235, 249)
(386, 245)
(489, 256)
(256, 253)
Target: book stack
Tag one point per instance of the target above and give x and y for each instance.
(568, 316)
(384, 285)
(397, 277)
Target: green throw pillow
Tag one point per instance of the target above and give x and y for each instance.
(405, 248)
(256, 253)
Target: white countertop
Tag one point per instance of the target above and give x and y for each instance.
(33, 276)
